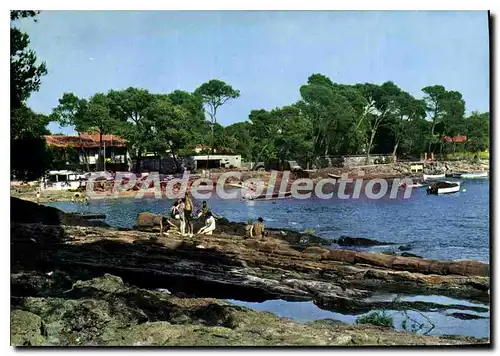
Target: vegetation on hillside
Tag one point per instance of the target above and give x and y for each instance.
(329, 119)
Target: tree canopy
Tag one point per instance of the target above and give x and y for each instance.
(214, 94)
(27, 127)
(26, 74)
(328, 119)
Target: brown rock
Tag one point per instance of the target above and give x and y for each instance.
(375, 259)
(438, 267)
(424, 265)
(458, 268)
(340, 255)
(315, 250)
(267, 247)
(149, 220)
(290, 252)
(406, 263)
(251, 243)
(474, 268)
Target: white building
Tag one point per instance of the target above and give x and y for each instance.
(216, 161)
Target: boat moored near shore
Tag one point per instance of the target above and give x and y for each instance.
(434, 176)
(444, 187)
(473, 175)
(412, 185)
(334, 176)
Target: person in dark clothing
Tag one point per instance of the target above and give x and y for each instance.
(204, 209)
(177, 212)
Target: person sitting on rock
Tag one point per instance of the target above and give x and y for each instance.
(258, 229)
(249, 229)
(204, 209)
(209, 225)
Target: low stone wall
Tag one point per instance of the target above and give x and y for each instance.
(354, 161)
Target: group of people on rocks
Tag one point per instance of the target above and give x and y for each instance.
(182, 210)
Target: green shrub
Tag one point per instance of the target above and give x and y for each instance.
(379, 318)
(309, 230)
(468, 155)
(388, 252)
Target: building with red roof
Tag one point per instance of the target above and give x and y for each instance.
(456, 139)
(88, 144)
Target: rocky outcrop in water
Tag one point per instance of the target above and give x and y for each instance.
(359, 241)
(22, 211)
(408, 254)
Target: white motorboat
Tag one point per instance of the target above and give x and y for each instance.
(434, 176)
(444, 187)
(236, 185)
(249, 185)
(274, 195)
(334, 176)
(474, 175)
(412, 185)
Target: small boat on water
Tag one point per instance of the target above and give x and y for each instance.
(274, 195)
(413, 185)
(434, 176)
(251, 185)
(473, 175)
(334, 176)
(443, 187)
(236, 185)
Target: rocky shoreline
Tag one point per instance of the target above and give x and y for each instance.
(384, 171)
(104, 311)
(76, 283)
(402, 169)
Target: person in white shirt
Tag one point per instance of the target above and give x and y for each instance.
(209, 225)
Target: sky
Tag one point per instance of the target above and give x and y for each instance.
(267, 55)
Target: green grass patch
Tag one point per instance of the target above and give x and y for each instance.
(379, 318)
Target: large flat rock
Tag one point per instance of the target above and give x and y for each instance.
(234, 267)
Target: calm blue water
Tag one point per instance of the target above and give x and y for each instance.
(454, 226)
(444, 323)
